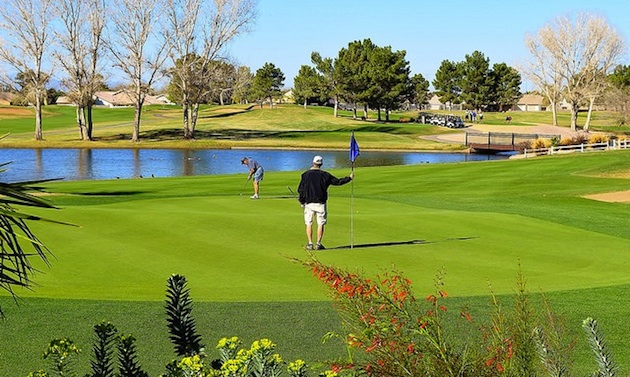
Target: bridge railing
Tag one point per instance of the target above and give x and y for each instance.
(495, 140)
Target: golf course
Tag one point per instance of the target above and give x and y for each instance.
(476, 221)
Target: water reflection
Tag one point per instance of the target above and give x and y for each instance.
(86, 164)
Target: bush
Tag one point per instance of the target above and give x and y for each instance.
(598, 138)
(541, 143)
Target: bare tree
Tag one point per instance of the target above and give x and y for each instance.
(200, 30)
(544, 71)
(577, 52)
(80, 51)
(138, 45)
(28, 24)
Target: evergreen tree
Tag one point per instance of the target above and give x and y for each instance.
(307, 85)
(267, 83)
(447, 82)
(476, 81)
(507, 85)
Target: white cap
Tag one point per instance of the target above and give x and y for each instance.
(318, 160)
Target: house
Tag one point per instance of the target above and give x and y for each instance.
(436, 104)
(124, 98)
(64, 100)
(119, 98)
(6, 98)
(530, 102)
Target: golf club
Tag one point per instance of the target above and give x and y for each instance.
(291, 190)
(245, 185)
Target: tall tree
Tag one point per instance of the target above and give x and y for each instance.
(476, 81)
(388, 75)
(138, 47)
(544, 71)
(80, 51)
(267, 83)
(351, 74)
(507, 85)
(618, 93)
(27, 24)
(329, 84)
(581, 49)
(199, 32)
(242, 84)
(307, 84)
(419, 93)
(447, 82)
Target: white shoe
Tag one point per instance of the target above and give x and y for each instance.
(254, 197)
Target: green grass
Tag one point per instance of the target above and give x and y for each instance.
(478, 220)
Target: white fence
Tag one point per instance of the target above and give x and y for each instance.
(606, 146)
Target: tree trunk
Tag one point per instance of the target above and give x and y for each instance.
(590, 113)
(136, 122)
(574, 115)
(304, 103)
(365, 111)
(38, 118)
(554, 113)
(193, 119)
(80, 114)
(336, 108)
(270, 102)
(186, 119)
(89, 121)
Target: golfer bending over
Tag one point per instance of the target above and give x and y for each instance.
(313, 192)
(255, 170)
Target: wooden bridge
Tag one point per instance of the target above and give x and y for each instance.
(493, 142)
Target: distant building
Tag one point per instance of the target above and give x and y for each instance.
(124, 98)
(6, 98)
(530, 102)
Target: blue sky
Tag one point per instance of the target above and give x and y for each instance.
(287, 31)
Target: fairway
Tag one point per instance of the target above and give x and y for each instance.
(476, 221)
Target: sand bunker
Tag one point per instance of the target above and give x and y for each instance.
(612, 197)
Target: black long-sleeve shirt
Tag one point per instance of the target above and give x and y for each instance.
(314, 184)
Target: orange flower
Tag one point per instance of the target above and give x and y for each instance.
(467, 316)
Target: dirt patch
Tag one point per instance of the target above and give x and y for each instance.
(611, 197)
(14, 112)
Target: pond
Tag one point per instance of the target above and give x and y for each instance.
(92, 164)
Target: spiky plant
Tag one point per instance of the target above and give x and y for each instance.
(128, 365)
(103, 349)
(15, 266)
(181, 324)
(605, 362)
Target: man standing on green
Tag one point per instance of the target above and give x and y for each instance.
(256, 171)
(313, 191)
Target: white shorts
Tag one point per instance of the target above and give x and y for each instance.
(315, 209)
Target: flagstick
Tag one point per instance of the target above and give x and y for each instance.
(352, 211)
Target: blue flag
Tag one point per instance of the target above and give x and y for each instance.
(354, 148)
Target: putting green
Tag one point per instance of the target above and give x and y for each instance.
(232, 248)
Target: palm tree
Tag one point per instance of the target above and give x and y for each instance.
(15, 265)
